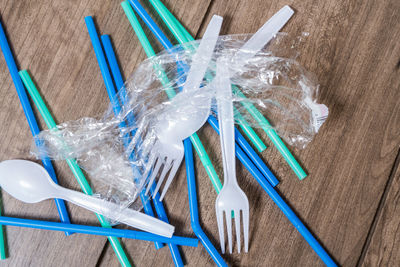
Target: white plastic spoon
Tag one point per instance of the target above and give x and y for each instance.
(29, 182)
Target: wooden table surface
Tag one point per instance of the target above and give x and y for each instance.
(351, 198)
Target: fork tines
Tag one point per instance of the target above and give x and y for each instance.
(235, 214)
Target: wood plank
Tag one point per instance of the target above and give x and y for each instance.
(384, 249)
(352, 50)
(323, 204)
(50, 39)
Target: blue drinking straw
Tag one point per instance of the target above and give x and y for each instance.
(168, 45)
(193, 206)
(116, 107)
(158, 205)
(95, 230)
(112, 62)
(241, 141)
(3, 240)
(162, 215)
(119, 85)
(30, 117)
(285, 208)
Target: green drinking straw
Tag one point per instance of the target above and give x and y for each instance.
(73, 165)
(182, 35)
(3, 251)
(205, 160)
(249, 132)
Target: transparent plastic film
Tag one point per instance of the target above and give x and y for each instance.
(117, 149)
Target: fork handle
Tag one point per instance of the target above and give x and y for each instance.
(225, 117)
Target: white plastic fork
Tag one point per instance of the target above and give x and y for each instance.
(168, 150)
(231, 198)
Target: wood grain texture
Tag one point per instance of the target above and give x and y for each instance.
(45, 41)
(50, 39)
(384, 248)
(352, 48)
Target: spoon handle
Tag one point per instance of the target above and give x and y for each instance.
(113, 211)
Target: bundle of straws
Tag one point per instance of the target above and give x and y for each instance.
(113, 80)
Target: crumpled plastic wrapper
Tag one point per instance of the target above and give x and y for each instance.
(114, 148)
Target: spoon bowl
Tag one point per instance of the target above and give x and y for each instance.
(26, 180)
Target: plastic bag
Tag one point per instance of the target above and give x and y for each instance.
(114, 149)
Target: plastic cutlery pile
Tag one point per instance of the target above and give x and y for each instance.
(200, 86)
